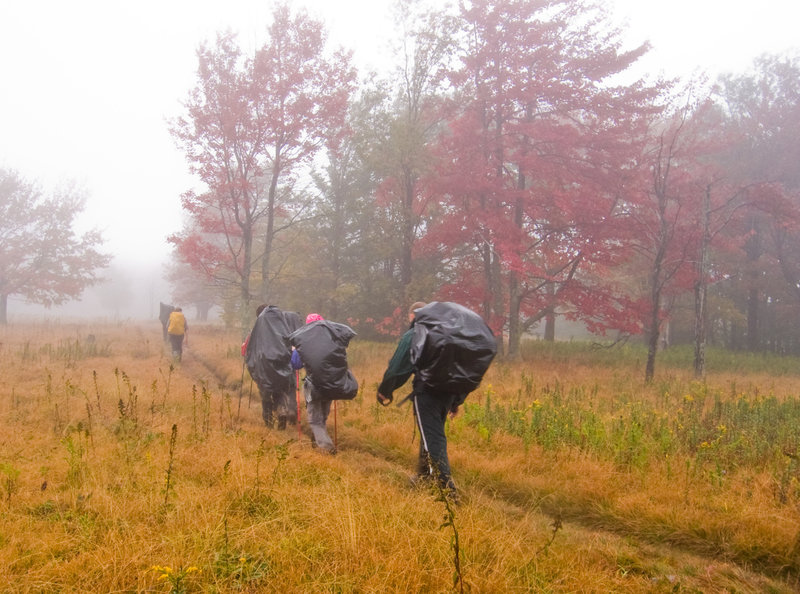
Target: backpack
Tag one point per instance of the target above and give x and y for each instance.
(323, 350)
(451, 348)
(268, 352)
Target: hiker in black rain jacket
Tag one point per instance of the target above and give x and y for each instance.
(321, 347)
(268, 354)
(448, 348)
(430, 410)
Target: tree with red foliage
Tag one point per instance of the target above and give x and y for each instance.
(41, 257)
(252, 123)
(536, 164)
(691, 206)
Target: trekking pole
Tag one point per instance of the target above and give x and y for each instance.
(335, 444)
(297, 397)
(422, 437)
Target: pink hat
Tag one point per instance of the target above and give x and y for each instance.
(313, 317)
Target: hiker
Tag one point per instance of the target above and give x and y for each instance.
(293, 322)
(442, 379)
(320, 347)
(259, 309)
(268, 357)
(177, 329)
(164, 310)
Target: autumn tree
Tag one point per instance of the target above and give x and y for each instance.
(397, 138)
(342, 231)
(762, 106)
(535, 164)
(191, 287)
(253, 123)
(42, 258)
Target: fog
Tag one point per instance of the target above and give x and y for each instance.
(89, 87)
(129, 291)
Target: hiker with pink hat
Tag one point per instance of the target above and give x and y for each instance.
(321, 348)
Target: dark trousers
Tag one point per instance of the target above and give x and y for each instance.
(176, 342)
(431, 412)
(278, 402)
(267, 406)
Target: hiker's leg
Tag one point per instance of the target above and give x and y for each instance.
(431, 413)
(267, 406)
(291, 403)
(282, 407)
(318, 411)
(176, 345)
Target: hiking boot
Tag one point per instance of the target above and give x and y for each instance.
(420, 481)
(281, 422)
(452, 495)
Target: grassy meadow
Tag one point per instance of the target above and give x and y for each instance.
(123, 472)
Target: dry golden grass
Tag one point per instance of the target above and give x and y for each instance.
(85, 431)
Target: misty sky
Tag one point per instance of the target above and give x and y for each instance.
(87, 86)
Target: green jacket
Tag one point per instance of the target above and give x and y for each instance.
(399, 368)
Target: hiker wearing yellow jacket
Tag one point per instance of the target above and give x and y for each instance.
(177, 328)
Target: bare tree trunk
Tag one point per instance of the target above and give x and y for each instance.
(652, 349)
(701, 292)
(269, 234)
(654, 323)
(752, 319)
(514, 297)
(247, 268)
(550, 318)
(753, 251)
(496, 289)
(514, 326)
(202, 311)
(406, 261)
(3, 309)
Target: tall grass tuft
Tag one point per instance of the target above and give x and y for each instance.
(168, 482)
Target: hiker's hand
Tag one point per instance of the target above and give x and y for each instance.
(384, 400)
(454, 412)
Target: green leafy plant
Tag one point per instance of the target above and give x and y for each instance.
(10, 479)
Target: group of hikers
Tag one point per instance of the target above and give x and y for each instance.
(278, 346)
(447, 348)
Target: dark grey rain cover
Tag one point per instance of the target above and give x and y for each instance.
(451, 349)
(323, 348)
(268, 351)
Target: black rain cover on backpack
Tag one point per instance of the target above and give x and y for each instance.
(451, 349)
(323, 348)
(163, 316)
(268, 353)
(293, 321)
